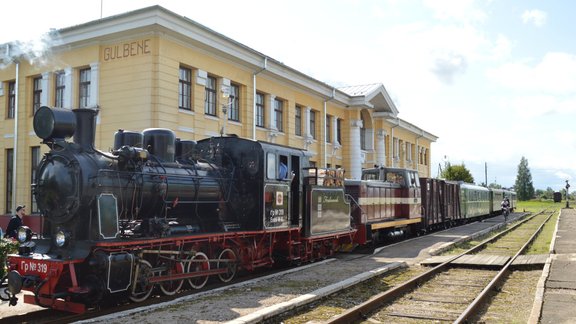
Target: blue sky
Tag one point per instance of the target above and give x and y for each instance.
(494, 80)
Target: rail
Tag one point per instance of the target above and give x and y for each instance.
(360, 312)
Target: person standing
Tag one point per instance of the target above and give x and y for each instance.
(15, 222)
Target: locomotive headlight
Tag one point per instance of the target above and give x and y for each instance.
(24, 234)
(62, 238)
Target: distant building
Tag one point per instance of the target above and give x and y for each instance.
(154, 68)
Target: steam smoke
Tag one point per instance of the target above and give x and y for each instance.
(36, 51)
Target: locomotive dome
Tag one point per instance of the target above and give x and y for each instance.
(50, 123)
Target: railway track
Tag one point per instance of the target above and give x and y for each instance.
(48, 316)
(446, 293)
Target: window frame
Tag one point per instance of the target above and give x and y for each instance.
(59, 88)
(298, 120)
(84, 84)
(234, 101)
(35, 158)
(328, 128)
(210, 96)
(339, 130)
(185, 83)
(260, 109)
(279, 114)
(9, 153)
(11, 103)
(312, 122)
(36, 94)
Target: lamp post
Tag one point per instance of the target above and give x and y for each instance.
(567, 187)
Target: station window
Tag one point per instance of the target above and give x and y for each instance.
(298, 120)
(234, 110)
(259, 110)
(185, 89)
(313, 124)
(11, 100)
(279, 114)
(60, 87)
(210, 100)
(36, 93)
(35, 161)
(9, 174)
(84, 86)
(339, 130)
(328, 128)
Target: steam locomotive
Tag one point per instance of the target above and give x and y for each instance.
(161, 212)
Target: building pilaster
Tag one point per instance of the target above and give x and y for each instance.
(355, 151)
(381, 147)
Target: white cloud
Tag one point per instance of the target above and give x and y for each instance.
(460, 10)
(554, 74)
(536, 17)
(563, 175)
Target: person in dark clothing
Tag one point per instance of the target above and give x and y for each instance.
(15, 223)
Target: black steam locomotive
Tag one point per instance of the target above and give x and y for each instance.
(158, 211)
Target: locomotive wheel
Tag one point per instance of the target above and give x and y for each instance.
(227, 260)
(171, 287)
(141, 287)
(198, 282)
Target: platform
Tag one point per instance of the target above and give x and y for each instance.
(557, 295)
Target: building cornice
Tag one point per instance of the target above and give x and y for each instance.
(160, 21)
(412, 128)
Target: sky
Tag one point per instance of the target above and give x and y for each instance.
(495, 80)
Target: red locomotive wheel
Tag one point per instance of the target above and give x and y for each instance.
(199, 262)
(227, 260)
(171, 287)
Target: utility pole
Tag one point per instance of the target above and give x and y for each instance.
(486, 173)
(567, 187)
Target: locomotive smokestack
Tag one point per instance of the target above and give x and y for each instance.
(85, 127)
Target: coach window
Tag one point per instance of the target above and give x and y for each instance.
(370, 175)
(271, 166)
(414, 180)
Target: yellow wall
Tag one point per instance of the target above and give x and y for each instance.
(138, 89)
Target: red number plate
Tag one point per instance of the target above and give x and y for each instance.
(33, 266)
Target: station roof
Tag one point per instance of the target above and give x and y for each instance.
(371, 96)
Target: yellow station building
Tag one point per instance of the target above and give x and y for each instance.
(154, 68)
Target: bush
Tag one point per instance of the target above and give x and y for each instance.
(7, 246)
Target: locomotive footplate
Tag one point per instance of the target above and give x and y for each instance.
(40, 275)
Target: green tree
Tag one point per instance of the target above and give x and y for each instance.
(524, 187)
(457, 173)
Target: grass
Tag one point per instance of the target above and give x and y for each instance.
(535, 206)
